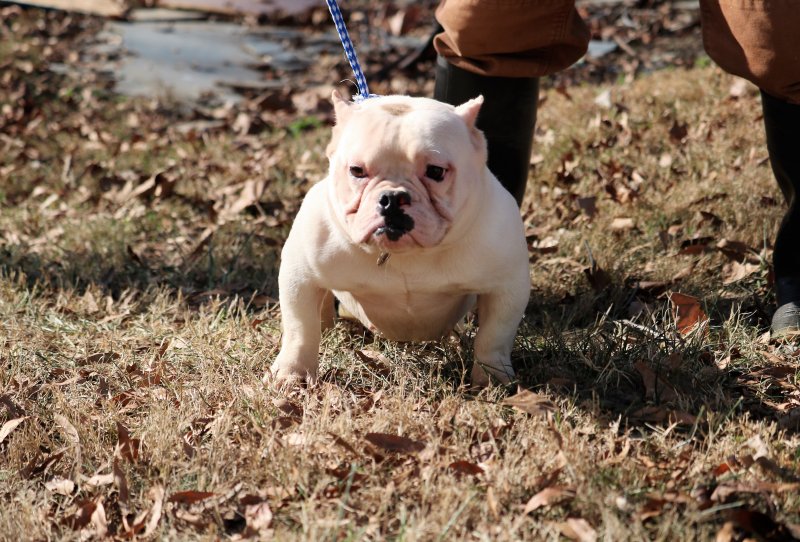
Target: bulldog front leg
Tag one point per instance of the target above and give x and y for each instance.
(499, 315)
(301, 307)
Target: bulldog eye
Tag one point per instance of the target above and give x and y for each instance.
(435, 173)
(358, 172)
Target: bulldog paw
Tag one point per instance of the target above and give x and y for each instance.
(287, 372)
(483, 374)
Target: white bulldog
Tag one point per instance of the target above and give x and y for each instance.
(408, 230)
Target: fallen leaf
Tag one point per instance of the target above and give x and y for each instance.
(258, 518)
(689, 316)
(578, 529)
(394, 443)
(69, 430)
(82, 516)
(548, 496)
(735, 271)
(156, 493)
(652, 508)
(201, 242)
(37, 465)
(14, 411)
(530, 402)
(700, 242)
(72, 435)
(683, 273)
(159, 185)
(721, 469)
(707, 217)
(465, 467)
(101, 357)
(9, 426)
(375, 361)
(694, 247)
(99, 521)
(121, 482)
(127, 447)
(250, 193)
(189, 497)
(621, 224)
(98, 480)
(62, 486)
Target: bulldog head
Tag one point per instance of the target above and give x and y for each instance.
(405, 171)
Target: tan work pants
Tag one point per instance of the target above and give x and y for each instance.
(755, 39)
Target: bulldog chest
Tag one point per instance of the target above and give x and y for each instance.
(415, 317)
(405, 306)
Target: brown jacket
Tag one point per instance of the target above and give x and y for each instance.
(755, 39)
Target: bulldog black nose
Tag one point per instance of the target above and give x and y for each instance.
(392, 201)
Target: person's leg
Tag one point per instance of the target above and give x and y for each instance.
(760, 41)
(499, 50)
(507, 118)
(782, 123)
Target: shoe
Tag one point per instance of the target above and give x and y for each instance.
(782, 124)
(786, 320)
(507, 118)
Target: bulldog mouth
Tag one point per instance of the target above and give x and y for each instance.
(393, 234)
(395, 225)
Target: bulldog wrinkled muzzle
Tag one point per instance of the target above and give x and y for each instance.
(396, 222)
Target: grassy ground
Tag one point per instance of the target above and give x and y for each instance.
(137, 282)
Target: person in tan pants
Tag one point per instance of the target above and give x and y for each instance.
(499, 48)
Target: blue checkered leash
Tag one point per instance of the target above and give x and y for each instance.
(349, 52)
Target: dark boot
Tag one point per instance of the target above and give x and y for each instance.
(507, 118)
(782, 123)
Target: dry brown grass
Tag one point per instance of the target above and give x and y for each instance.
(132, 345)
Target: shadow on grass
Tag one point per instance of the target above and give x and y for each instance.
(238, 264)
(643, 371)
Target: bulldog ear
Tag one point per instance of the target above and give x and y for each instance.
(469, 110)
(341, 106)
(342, 109)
